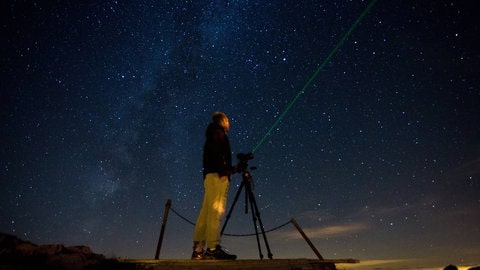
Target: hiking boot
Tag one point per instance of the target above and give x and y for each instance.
(198, 255)
(218, 254)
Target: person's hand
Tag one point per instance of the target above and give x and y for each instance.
(224, 178)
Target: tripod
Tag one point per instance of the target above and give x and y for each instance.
(247, 183)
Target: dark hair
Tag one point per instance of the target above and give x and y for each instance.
(217, 117)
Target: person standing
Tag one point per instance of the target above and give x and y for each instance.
(217, 169)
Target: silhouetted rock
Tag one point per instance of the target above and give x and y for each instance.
(450, 267)
(18, 254)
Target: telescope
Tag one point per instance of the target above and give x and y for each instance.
(242, 157)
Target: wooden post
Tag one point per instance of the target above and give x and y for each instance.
(162, 230)
(294, 222)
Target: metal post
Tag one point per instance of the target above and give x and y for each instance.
(294, 222)
(162, 230)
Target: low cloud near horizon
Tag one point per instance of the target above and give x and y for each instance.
(326, 231)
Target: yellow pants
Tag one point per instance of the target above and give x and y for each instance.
(207, 228)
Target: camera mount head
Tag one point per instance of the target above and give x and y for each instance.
(244, 157)
(243, 161)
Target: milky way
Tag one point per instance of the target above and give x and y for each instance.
(104, 106)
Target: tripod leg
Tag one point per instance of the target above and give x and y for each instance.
(231, 207)
(246, 198)
(257, 214)
(254, 218)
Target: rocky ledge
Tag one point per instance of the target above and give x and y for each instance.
(19, 254)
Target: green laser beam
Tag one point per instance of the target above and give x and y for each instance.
(315, 74)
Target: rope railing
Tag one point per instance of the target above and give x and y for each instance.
(182, 217)
(252, 234)
(168, 207)
(231, 234)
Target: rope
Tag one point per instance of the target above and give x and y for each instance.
(230, 234)
(182, 217)
(253, 234)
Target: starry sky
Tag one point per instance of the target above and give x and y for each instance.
(104, 106)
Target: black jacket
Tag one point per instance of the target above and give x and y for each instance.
(217, 155)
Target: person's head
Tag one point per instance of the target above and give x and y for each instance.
(221, 119)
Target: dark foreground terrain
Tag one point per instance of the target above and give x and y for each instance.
(19, 254)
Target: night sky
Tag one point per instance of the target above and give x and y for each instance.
(104, 106)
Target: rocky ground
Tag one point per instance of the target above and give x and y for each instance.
(19, 254)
